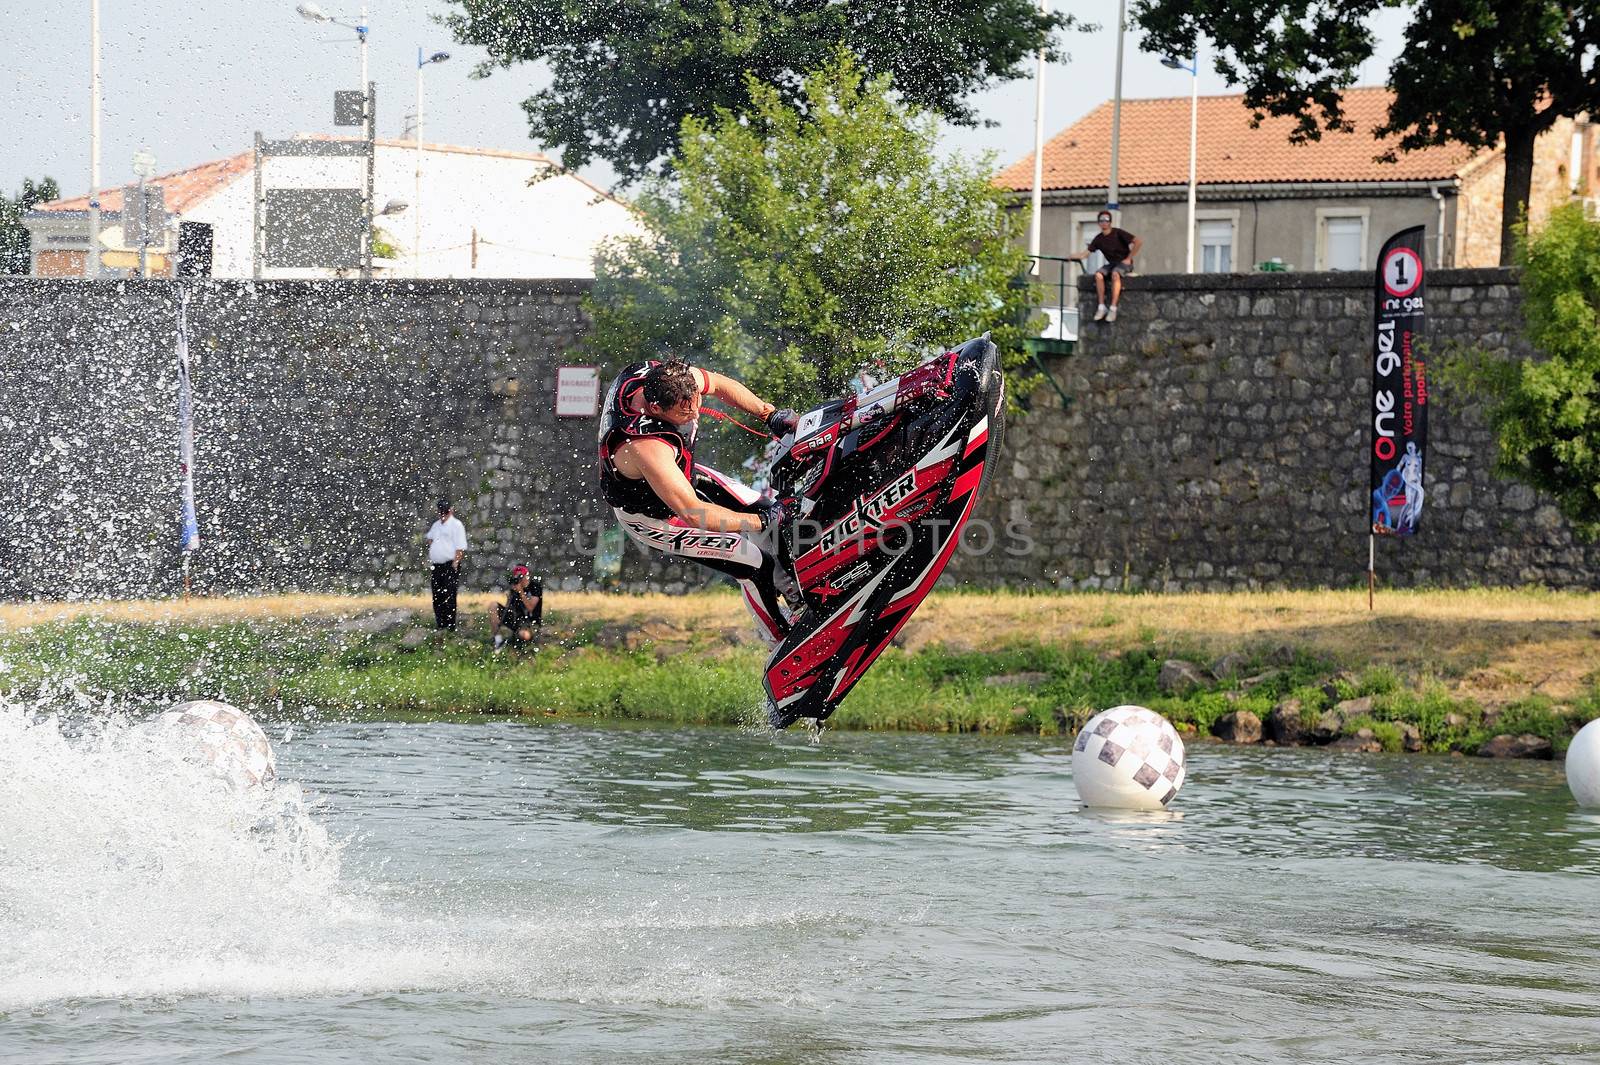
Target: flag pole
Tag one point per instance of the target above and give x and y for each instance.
(1372, 569)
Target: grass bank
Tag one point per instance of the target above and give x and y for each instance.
(1458, 666)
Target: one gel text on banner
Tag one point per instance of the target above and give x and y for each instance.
(1399, 388)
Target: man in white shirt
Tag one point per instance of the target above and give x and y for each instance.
(447, 542)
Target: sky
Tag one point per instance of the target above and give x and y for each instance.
(192, 80)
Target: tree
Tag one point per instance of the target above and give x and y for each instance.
(626, 73)
(1472, 71)
(14, 245)
(1546, 411)
(801, 242)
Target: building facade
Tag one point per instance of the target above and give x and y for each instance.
(455, 212)
(1264, 203)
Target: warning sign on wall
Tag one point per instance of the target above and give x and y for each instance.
(577, 391)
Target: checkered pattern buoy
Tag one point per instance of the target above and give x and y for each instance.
(1128, 757)
(225, 739)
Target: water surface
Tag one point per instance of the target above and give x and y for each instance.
(497, 891)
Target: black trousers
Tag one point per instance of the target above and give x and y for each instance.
(446, 578)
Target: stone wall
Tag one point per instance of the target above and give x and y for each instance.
(330, 416)
(1217, 439)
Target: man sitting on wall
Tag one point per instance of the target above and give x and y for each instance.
(1119, 247)
(522, 613)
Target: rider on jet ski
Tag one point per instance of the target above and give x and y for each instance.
(669, 503)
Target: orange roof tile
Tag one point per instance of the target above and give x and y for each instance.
(1155, 148)
(184, 188)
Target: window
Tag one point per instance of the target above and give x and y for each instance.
(1216, 246)
(1087, 231)
(1344, 241)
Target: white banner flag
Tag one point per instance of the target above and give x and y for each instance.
(190, 533)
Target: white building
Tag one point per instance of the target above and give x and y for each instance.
(473, 212)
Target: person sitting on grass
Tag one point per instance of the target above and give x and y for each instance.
(522, 613)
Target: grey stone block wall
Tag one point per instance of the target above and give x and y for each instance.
(1217, 439)
(330, 416)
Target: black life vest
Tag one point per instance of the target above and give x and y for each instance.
(618, 425)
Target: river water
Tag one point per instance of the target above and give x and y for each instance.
(494, 891)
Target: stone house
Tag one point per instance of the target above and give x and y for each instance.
(1324, 205)
(481, 213)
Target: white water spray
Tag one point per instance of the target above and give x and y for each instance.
(129, 873)
(125, 869)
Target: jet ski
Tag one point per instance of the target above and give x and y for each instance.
(883, 483)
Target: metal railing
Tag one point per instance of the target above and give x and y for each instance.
(1060, 333)
(1059, 275)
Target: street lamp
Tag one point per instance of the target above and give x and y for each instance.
(1193, 67)
(313, 12)
(92, 265)
(1116, 108)
(416, 196)
(1038, 155)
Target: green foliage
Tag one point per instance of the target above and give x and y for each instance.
(1536, 716)
(1313, 701)
(1385, 732)
(802, 242)
(626, 73)
(235, 661)
(1048, 689)
(14, 244)
(1472, 71)
(1378, 680)
(1444, 723)
(383, 245)
(1546, 411)
(462, 677)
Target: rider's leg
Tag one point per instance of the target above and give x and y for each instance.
(735, 554)
(718, 488)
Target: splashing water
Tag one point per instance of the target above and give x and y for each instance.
(127, 870)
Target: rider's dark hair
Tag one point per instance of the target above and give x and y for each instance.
(667, 384)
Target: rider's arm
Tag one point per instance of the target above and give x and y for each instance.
(730, 391)
(657, 463)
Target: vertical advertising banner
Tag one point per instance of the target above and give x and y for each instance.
(189, 525)
(1399, 388)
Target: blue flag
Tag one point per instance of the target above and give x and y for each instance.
(189, 534)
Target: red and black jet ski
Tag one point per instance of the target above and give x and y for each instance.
(885, 482)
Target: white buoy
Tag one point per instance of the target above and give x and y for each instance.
(1128, 757)
(225, 739)
(1583, 765)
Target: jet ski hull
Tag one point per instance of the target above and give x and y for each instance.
(885, 518)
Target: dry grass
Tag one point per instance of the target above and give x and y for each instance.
(1494, 646)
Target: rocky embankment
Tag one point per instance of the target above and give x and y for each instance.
(1343, 724)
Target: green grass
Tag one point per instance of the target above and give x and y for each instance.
(1027, 686)
(236, 660)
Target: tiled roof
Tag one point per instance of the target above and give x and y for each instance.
(184, 188)
(1155, 148)
(456, 149)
